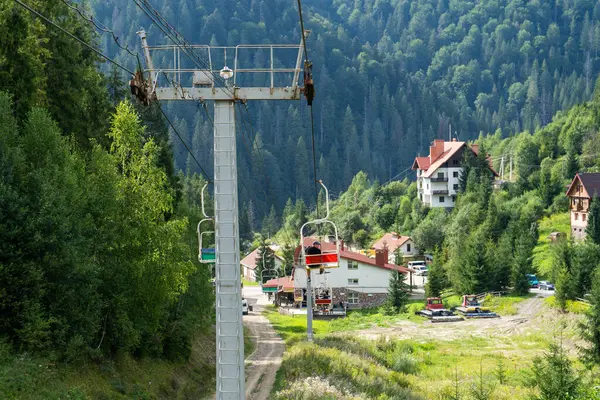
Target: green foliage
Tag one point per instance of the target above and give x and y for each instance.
(437, 280)
(92, 254)
(398, 292)
(592, 229)
(418, 67)
(590, 327)
(554, 375)
(265, 260)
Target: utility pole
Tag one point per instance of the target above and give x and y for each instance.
(186, 81)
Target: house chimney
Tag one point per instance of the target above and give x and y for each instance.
(381, 257)
(475, 148)
(435, 150)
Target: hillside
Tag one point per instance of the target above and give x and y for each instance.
(391, 75)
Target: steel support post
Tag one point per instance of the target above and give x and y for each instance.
(230, 332)
(309, 307)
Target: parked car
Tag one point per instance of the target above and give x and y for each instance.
(545, 285)
(533, 281)
(245, 307)
(421, 270)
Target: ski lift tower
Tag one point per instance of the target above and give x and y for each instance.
(260, 72)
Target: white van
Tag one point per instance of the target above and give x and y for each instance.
(420, 267)
(244, 307)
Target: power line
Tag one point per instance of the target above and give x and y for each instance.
(163, 24)
(99, 26)
(72, 36)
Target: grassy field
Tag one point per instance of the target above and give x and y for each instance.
(575, 307)
(340, 365)
(26, 377)
(542, 261)
(249, 283)
(351, 368)
(292, 328)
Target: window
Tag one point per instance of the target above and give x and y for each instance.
(352, 265)
(576, 216)
(428, 186)
(455, 174)
(352, 298)
(353, 281)
(455, 186)
(408, 247)
(440, 174)
(454, 162)
(442, 199)
(583, 217)
(453, 199)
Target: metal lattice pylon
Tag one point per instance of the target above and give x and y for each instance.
(172, 75)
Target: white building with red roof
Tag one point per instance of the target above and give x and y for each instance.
(359, 281)
(393, 241)
(249, 264)
(438, 174)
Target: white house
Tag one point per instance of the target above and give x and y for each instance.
(359, 281)
(249, 265)
(438, 174)
(392, 241)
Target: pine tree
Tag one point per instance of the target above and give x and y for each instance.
(265, 261)
(592, 229)
(590, 327)
(554, 375)
(398, 292)
(437, 280)
(521, 267)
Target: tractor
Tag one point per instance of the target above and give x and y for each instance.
(435, 311)
(472, 308)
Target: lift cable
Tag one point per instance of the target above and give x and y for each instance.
(99, 26)
(308, 70)
(72, 36)
(184, 143)
(163, 24)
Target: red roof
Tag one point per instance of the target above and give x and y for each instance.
(250, 260)
(450, 149)
(421, 163)
(392, 240)
(284, 283)
(350, 255)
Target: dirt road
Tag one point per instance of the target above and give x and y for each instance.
(266, 359)
(528, 317)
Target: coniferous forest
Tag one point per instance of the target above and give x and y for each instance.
(391, 75)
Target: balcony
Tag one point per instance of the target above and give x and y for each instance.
(439, 179)
(444, 191)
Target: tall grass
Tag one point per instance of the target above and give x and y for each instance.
(359, 376)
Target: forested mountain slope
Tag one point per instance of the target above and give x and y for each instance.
(390, 75)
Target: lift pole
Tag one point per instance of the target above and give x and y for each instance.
(182, 81)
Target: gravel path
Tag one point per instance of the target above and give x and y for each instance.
(529, 316)
(266, 359)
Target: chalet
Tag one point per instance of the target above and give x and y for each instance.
(580, 192)
(358, 282)
(249, 265)
(438, 174)
(393, 241)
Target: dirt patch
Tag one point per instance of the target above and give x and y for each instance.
(266, 359)
(532, 315)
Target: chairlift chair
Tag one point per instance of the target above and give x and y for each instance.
(327, 258)
(206, 255)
